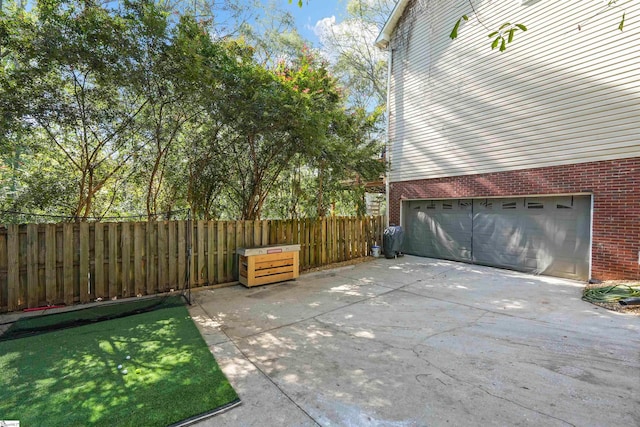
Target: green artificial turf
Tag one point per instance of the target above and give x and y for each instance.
(29, 326)
(70, 377)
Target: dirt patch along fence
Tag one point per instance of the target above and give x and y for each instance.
(68, 263)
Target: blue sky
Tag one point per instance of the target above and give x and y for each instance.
(307, 16)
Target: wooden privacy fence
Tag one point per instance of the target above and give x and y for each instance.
(48, 264)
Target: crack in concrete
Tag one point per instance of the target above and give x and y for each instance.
(264, 374)
(479, 387)
(417, 294)
(418, 376)
(334, 328)
(466, 325)
(314, 317)
(524, 406)
(285, 325)
(497, 313)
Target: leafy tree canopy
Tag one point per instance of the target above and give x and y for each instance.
(125, 107)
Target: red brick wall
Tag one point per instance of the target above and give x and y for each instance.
(615, 186)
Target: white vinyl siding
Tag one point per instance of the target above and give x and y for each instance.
(558, 95)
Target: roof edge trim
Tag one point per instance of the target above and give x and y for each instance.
(389, 27)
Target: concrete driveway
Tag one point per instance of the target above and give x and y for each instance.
(422, 342)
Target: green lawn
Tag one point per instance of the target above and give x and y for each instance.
(70, 377)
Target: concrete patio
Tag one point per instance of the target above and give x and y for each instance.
(422, 342)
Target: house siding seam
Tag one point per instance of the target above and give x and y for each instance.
(613, 184)
(460, 108)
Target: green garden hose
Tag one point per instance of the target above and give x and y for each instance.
(611, 294)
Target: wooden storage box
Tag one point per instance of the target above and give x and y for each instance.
(268, 264)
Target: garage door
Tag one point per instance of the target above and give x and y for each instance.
(439, 229)
(546, 235)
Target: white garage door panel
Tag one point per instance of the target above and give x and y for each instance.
(548, 235)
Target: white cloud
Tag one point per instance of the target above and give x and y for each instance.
(324, 26)
(349, 35)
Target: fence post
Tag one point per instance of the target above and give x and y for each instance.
(85, 289)
(220, 251)
(13, 267)
(313, 240)
(230, 239)
(3, 267)
(264, 241)
(211, 259)
(257, 233)
(323, 241)
(239, 242)
(202, 264)
(50, 263)
(67, 263)
(192, 244)
(113, 259)
(248, 234)
(99, 261)
(163, 265)
(305, 227)
(32, 265)
(172, 254)
(139, 257)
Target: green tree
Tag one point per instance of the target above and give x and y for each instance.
(67, 80)
(342, 150)
(179, 78)
(266, 123)
(121, 107)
